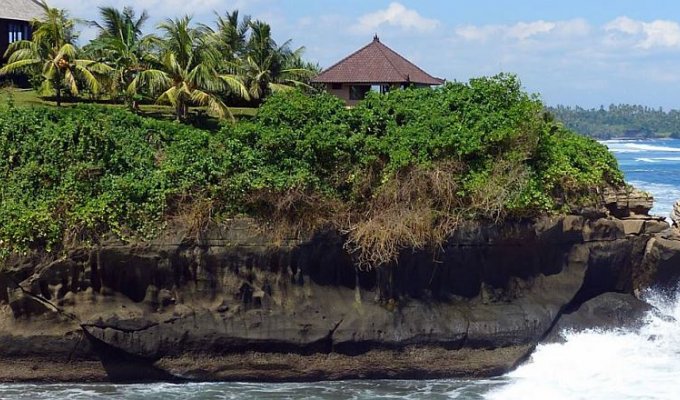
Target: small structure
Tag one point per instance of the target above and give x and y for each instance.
(15, 21)
(373, 66)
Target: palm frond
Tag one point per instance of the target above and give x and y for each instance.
(89, 78)
(71, 81)
(169, 96)
(67, 51)
(18, 66)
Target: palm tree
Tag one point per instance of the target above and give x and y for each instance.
(121, 45)
(52, 54)
(232, 34)
(189, 60)
(268, 67)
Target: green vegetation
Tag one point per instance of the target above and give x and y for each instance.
(620, 121)
(400, 170)
(52, 54)
(198, 115)
(189, 65)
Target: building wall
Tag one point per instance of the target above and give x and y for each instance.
(342, 93)
(4, 34)
(4, 37)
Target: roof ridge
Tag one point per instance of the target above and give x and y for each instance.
(380, 47)
(343, 60)
(410, 62)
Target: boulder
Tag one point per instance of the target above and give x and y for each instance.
(661, 262)
(607, 311)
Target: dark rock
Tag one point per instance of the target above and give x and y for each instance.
(121, 366)
(606, 311)
(302, 310)
(661, 263)
(652, 227)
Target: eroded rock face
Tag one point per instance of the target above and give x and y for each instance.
(661, 263)
(627, 201)
(301, 310)
(606, 311)
(675, 214)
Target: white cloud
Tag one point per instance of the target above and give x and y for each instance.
(395, 15)
(624, 25)
(645, 35)
(478, 33)
(524, 30)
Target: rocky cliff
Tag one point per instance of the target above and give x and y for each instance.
(233, 305)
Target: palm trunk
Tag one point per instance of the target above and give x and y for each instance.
(178, 111)
(58, 97)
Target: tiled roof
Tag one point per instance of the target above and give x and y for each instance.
(376, 63)
(22, 10)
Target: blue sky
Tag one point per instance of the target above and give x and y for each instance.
(576, 52)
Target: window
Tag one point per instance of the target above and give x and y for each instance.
(358, 92)
(17, 31)
(336, 86)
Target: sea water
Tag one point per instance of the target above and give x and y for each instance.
(651, 165)
(597, 365)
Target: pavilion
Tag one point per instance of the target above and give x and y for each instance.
(15, 21)
(373, 66)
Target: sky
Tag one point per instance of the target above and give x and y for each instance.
(578, 52)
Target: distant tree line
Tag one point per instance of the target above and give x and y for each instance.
(620, 121)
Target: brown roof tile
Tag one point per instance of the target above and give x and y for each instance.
(376, 63)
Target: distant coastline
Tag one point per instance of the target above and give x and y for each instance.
(623, 121)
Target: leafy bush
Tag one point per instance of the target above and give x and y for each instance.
(403, 169)
(74, 174)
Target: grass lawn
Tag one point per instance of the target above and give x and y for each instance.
(199, 118)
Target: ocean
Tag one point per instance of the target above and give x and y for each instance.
(601, 365)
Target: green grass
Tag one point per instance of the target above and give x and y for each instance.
(29, 98)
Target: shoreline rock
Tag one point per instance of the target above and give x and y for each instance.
(231, 305)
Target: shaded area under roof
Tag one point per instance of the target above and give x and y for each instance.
(376, 63)
(21, 10)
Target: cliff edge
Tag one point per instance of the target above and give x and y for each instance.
(231, 304)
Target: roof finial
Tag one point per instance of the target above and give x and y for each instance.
(376, 38)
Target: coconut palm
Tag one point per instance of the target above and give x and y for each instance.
(232, 35)
(52, 54)
(268, 67)
(189, 61)
(120, 44)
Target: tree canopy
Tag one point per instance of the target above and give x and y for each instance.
(620, 121)
(183, 64)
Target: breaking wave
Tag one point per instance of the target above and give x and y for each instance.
(604, 365)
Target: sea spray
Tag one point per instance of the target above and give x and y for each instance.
(614, 364)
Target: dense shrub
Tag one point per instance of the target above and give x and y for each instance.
(71, 174)
(400, 170)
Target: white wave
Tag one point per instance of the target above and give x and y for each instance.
(666, 158)
(639, 148)
(647, 160)
(606, 365)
